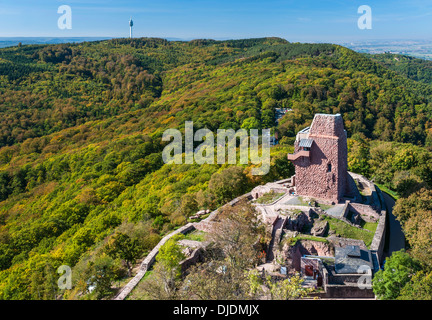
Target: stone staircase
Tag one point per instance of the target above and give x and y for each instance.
(277, 231)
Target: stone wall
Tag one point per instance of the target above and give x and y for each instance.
(352, 191)
(296, 221)
(306, 247)
(374, 198)
(195, 257)
(346, 209)
(341, 279)
(365, 211)
(259, 191)
(205, 224)
(148, 261)
(347, 291)
(378, 240)
(343, 242)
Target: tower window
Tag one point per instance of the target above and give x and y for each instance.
(329, 167)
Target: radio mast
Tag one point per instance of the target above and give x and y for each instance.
(130, 25)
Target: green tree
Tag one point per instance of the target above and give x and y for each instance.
(239, 235)
(398, 271)
(170, 254)
(358, 154)
(99, 275)
(287, 289)
(123, 247)
(419, 288)
(251, 123)
(280, 168)
(228, 184)
(165, 278)
(415, 215)
(188, 205)
(406, 183)
(405, 158)
(5, 189)
(215, 280)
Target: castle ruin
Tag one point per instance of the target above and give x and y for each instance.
(320, 160)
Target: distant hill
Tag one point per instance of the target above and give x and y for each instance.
(413, 68)
(14, 41)
(410, 47)
(81, 127)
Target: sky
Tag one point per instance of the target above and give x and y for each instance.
(294, 20)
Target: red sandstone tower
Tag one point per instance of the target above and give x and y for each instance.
(320, 159)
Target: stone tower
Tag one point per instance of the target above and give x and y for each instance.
(320, 159)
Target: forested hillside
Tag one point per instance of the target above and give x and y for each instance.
(413, 68)
(80, 141)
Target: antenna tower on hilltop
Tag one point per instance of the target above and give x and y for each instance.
(130, 25)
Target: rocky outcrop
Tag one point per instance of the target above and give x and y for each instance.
(320, 228)
(296, 220)
(259, 191)
(199, 214)
(315, 248)
(193, 258)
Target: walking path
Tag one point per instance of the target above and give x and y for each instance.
(336, 211)
(396, 236)
(276, 226)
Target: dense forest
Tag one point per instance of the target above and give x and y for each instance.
(81, 172)
(413, 68)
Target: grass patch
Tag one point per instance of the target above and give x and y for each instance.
(371, 226)
(204, 216)
(392, 193)
(303, 202)
(324, 206)
(312, 202)
(269, 197)
(147, 274)
(293, 241)
(347, 231)
(196, 235)
(138, 293)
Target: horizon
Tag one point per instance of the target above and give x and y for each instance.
(101, 38)
(311, 21)
(421, 49)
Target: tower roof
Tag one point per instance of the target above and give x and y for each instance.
(349, 259)
(327, 125)
(306, 143)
